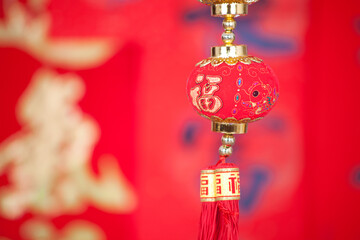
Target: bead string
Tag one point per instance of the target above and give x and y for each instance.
(228, 36)
(225, 149)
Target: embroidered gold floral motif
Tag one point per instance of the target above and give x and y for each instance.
(233, 120)
(229, 61)
(228, 1)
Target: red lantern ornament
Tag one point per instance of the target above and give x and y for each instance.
(241, 90)
(231, 89)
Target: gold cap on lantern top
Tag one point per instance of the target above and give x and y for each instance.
(231, 51)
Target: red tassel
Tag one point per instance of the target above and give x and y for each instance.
(219, 220)
(227, 217)
(227, 220)
(208, 221)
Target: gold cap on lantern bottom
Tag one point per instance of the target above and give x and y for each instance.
(229, 128)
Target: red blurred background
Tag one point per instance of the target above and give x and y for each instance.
(98, 140)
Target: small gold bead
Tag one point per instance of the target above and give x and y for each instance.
(225, 150)
(229, 24)
(228, 38)
(228, 139)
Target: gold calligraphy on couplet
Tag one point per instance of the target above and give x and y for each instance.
(47, 162)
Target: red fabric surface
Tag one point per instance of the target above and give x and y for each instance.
(331, 178)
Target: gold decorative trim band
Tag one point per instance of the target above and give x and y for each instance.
(223, 170)
(227, 198)
(208, 200)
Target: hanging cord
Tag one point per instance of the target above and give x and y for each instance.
(221, 160)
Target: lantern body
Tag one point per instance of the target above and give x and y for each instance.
(233, 90)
